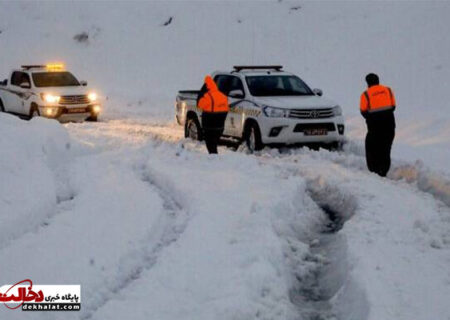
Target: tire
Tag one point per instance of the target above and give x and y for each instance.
(337, 146)
(92, 118)
(252, 137)
(34, 112)
(192, 129)
(2, 108)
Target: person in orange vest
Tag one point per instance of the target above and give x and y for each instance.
(214, 106)
(377, 107)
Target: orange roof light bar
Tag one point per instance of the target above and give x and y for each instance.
(55, 66)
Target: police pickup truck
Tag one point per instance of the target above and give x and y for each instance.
(48, 91)
(268, 106)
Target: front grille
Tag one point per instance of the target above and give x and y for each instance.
(79, 99)
(301, 127)
(311, 113)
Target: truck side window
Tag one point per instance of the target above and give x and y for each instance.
(228, 83)
(223, 83)
(25, 78)
(16, 78)
(236, 84)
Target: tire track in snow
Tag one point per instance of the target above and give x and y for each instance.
(324, 271)
(168, 229)
(317, 292)
(326, 190)
(424, 179)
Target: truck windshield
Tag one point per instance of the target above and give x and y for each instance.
(54, 79)
(267, 86)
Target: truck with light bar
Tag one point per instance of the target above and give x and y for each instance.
(48, 91)
(268, 106)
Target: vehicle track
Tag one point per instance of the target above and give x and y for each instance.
(315, 292)
(166, 231)
(324, 270)
(415, 174)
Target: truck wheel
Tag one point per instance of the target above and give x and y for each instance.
(34, 113)
(2, 108)
(253, 137)
(337, 146)
(92, 118)
(193, 130)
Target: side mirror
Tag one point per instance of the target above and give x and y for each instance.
(25, 85)
(318, 92)
(83, 83)
(5, 82)
(238, 94)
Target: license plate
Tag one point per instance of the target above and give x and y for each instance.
(76, 110)
(315, 132)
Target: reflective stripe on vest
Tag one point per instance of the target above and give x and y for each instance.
(381, 109)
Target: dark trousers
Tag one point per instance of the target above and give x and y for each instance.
(213, 124)
(379, 139)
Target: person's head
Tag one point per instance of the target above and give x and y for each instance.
(210, 84)
(372, 80)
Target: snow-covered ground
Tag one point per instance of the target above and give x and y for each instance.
(154, 228)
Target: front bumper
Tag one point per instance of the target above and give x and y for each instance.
(293, 131)
(72, 113)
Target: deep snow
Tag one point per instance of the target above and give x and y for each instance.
(154, 228)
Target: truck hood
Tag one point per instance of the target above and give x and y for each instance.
(64, 91)
(295, 102)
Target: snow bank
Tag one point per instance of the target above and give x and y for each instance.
(434, 181)
(32, 152)
(102, 237)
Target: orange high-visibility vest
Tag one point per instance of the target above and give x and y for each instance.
(377, 98)
(213, 100)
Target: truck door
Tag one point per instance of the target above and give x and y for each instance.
(228, 84)
(8, 95)
(16, 95)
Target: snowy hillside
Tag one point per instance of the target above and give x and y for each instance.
(154, 228)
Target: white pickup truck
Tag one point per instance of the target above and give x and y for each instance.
(48, 91)
(267, 107)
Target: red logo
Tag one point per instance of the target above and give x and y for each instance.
(24, 294)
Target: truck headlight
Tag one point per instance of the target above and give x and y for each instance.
(50, 98)
(92, 97)
(337, 111)
(50, 112)
(275, 112)
(96, 109)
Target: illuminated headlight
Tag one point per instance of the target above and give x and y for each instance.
(50, 112)
(96, 109)
(337, 111)
(276, 112)
(92, 97)
(49, 98)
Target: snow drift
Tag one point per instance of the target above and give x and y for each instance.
(32, 156)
